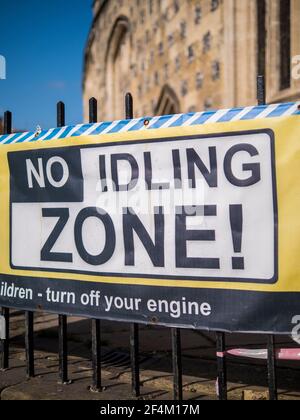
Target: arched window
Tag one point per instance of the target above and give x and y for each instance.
(168, 102)
(118, 58)
(285, 43)
(261, 8)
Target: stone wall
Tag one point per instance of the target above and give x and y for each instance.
(182, 55)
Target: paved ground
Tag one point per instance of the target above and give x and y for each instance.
(247, 379)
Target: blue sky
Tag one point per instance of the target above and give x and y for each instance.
(43, 43)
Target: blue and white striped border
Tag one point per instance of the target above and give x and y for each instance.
(179, 120)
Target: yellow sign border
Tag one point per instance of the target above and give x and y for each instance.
(287, 150)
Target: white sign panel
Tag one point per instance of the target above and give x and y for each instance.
(193, 208)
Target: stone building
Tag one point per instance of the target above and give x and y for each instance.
(190, 55)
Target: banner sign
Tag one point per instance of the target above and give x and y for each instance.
(189, 220)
